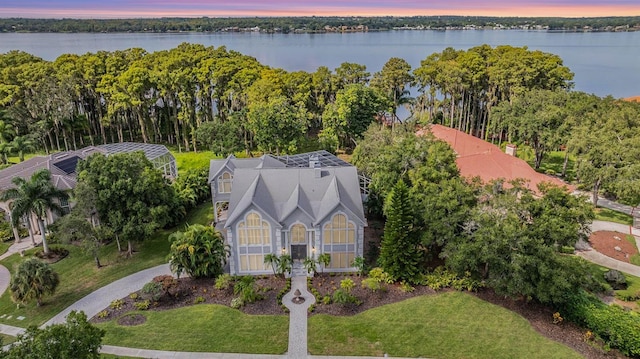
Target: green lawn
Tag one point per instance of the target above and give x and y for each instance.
(448, 325)
(606, 214)
(203, 328)
(7, 339)
(79, 275)
(633, 282)
(192, 160)
(4, 246)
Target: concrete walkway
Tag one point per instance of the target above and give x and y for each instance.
(298, 314)
(93, 303)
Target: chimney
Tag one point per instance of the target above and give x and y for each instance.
(511, 150)
(314, 161)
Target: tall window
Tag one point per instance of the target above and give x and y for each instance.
(339, 238)
(64, 204)
(224, 182)
(298, 234)
(254, 241)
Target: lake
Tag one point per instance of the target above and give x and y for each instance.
(604, 63)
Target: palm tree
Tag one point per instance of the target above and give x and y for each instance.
(21, 144)
(35, 196)
(33, 280)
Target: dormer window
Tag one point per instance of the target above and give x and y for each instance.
(224, 182)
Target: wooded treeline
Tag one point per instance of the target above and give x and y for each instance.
(309, 24)
(194, 96)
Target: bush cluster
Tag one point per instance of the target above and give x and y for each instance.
(618, 328)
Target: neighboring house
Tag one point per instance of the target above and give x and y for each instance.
(62, 166)
(480, 158)
(301, 205)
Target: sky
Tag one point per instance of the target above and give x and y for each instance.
(239, 8)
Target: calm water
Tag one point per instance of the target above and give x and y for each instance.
(603, 63)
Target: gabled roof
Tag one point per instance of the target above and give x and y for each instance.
(477, 157)
(230, 163)
(281, 191)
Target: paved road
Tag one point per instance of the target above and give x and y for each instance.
(603, 202)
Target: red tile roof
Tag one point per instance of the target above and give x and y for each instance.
(477, 157)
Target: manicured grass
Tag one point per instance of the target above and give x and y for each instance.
(7, 339)
(111, 356)
(4, 246)
(448, 325)
(635, 259)
(193, 160)
(203, 328)
(79, 275)
(633, 282)
(606, 214)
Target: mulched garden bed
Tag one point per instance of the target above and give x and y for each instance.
(613, 244)
(194, 291)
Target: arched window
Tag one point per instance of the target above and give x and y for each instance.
(298, 234)
(224, 182)
(254, 241)
(339, 239)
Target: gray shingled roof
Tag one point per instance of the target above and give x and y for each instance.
(231, 163)
(278, 192)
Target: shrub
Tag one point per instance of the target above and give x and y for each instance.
(199, 251)
(236, 303)
(441, 278)
(380, 275)
(557, 319)
(310, 265)
(618, 328)
(223, 281)
(616, 279)
(133, 296)
(326, 300)
(347, 285)
(341, 296)
(359, 264)
(103, 314)
(143, 305)
(406, 287)
(246, 288)
(152, 290)
(116, 304)
(567, 249)
(168, 282)
(198, 300)
(372, 284)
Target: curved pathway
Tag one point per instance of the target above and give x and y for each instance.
(93, 303)
(598, 258)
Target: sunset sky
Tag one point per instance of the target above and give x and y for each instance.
(227, 8)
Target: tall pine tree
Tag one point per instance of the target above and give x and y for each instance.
(400, 253)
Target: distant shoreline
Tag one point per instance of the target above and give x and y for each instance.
(319, 24)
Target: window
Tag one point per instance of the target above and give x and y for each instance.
(298, 234)
(339, 236)
(224, 182)
(64, 204)
(254, 241)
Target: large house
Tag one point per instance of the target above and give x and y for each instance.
(62, 166)
(301, 205)
(479, 158)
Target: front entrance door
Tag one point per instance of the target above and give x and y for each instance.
(298, 242)
(298, 251)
